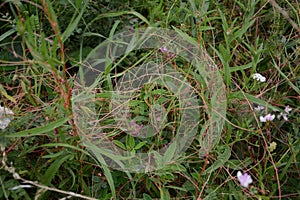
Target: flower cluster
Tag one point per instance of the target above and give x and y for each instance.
(259, 77)
(271, 117)
(5, 117)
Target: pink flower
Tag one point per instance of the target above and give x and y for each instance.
(167, 52)
(244, 179)
(266, 118)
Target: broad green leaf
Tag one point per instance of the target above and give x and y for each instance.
(239, 33)
(164, 194)
(119, 144)
(130, 142)
(240, 68)
(140, 145)
(206, 28)
(170, 153)
(146, 197)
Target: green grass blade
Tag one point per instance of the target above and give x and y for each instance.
(66, 146)
(221, 160)
(186, 36)
(4, 93)
(117, 14)
(74, 22)
(285, 77)
(53, 169)
(107, 173)
(253, 99)
(6, 34)
(40, 130)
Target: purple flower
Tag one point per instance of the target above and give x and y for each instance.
(244, 179)
(166, 51)
(287, 109)
(284, 115)
(163, 49)
(266, 118)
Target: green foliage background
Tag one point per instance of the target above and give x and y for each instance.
(43, 44)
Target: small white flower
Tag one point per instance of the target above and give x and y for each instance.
(287, 109)
(259, 77)
(5, 117)
(244, 179)
(266, 118)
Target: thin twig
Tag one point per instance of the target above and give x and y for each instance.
(16, 176)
